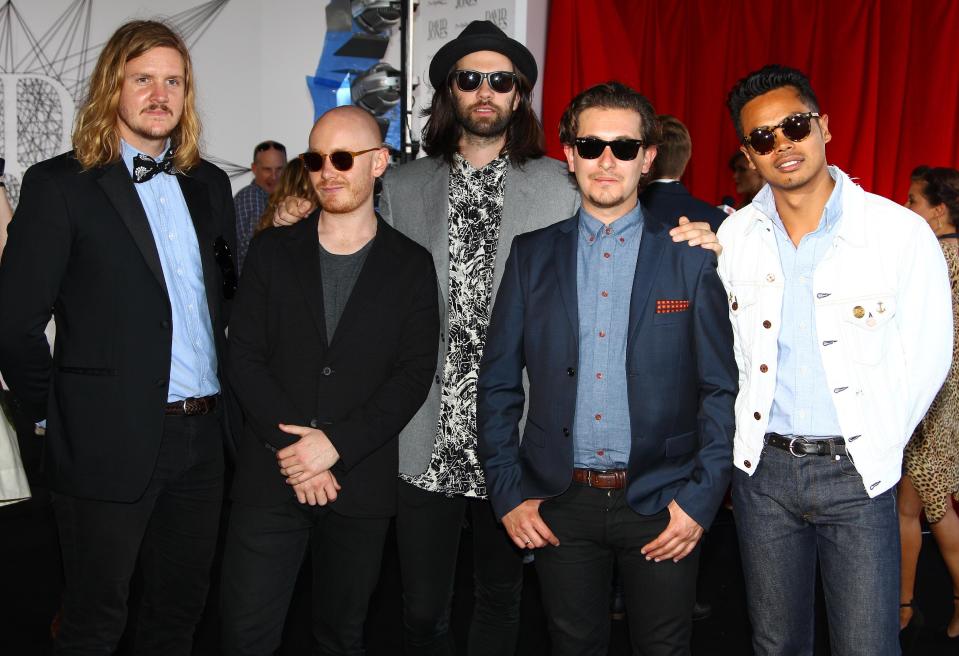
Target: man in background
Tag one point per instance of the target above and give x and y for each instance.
(269, 158)
(746, 178)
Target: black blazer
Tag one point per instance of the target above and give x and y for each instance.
(667, 201)
(680, 371)
(80, 244)
(361, 389)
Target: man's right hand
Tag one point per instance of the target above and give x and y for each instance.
(527, 528)
(292, 210)
(319, 490)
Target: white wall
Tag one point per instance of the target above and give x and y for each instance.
(252, 61)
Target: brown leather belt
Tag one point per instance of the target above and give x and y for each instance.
(192, 407)
(604, 479)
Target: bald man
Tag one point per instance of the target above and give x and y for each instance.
(333, 348)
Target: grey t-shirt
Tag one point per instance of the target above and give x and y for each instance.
(339, 274)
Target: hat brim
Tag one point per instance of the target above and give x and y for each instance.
(446, 57)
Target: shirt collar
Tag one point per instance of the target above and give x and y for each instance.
(766, 203)
(128, 152)
(625, 227)
(463, 165)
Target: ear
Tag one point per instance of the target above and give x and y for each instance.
(749, 159)
(569, 150)
(824, 128)
(381, 161)
(648, 158)
(517, 99)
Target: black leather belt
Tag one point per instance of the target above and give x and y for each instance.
(604, 479)
(801, 447)
(192, 406)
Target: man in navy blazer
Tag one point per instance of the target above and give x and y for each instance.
(626, 452)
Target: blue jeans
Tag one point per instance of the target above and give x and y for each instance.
(793, 510)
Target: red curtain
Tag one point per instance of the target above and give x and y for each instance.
(885, 71)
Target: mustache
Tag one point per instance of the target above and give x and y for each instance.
(156, 106)
(486, 104)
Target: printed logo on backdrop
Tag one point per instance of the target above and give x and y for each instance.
(499, 17)
(42, 81)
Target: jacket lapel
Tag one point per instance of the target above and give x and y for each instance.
(436, 204)
(647, 264)
(118, 186)
(564, 262)
(304, 246)
(198, 202)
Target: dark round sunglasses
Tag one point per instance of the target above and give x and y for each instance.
(499, 81)
(795, 127)
(342, 160)
(622, 149)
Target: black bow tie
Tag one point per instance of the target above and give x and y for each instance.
(145, 168)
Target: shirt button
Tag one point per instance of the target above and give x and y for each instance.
(770, 277)
(757, 416)
(604, 293)
(602, 333)
(598, 417)
(327, 371)
(600, 452)
(622, 240)
(767, 324)
(565, 431)
(763, 368)
(591, 238)
(437, 380)
(735, 306)
(599, 375)
(570, 372)
(606, 255)
(608, 231)
(747, 463)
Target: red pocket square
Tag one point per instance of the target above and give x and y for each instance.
(666, 306)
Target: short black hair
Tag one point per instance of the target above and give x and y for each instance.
(766, 79)
(268, 145)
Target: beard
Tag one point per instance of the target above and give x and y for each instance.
(489, 127)
(149, 129)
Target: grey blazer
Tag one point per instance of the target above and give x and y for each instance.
(415, 200)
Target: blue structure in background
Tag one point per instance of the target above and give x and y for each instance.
(330, 85)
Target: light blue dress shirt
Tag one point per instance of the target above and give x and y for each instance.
(193, 363)
(605, 268)
(802, 403)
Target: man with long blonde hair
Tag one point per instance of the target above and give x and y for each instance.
(125, 240)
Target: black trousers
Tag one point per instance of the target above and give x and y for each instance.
(172, 528)
(597, 528)
(428, 527)
(265, 546)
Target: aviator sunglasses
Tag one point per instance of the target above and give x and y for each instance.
(795, 128)
(342, 160)
(622, 149)
(499, 81)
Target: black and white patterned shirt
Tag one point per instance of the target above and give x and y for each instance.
(476, 211)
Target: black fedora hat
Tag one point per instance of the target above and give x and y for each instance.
(481, 35)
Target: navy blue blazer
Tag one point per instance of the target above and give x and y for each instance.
(682, 376)
(667, 201)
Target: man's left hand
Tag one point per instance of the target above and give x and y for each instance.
(310, 455)
(677, 540)
(696, 234)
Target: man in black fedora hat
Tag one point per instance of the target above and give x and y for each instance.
(485, 182)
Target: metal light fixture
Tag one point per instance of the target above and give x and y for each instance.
(375, 16)
(377, 89)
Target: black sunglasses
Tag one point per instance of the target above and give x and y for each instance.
(795, 127)
(622, 149)
(499, 81)
(342, 160)
(221, 253)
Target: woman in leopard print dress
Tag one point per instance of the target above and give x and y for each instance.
(930, 478)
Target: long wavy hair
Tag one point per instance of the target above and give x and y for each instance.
(442, 132)
(294, 181)
(96, 139)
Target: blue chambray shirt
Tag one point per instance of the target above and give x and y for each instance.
(802, 403)
(605, 267)
(193, 363)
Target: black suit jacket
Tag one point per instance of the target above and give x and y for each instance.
(667, 201)
(680, 371)
(360, 389)
(80, 245)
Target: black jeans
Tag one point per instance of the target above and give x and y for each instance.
(428, 527)
(595, 528)
(172, 528)
(265, 546)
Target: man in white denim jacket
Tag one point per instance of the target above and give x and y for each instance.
(842, 316)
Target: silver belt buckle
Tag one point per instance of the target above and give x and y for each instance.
(792, 451)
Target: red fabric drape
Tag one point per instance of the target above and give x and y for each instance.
(885, 71)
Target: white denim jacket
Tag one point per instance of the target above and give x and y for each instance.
(883, 318)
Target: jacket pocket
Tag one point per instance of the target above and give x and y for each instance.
(866, 326)
(681, 444)
(533, 435)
